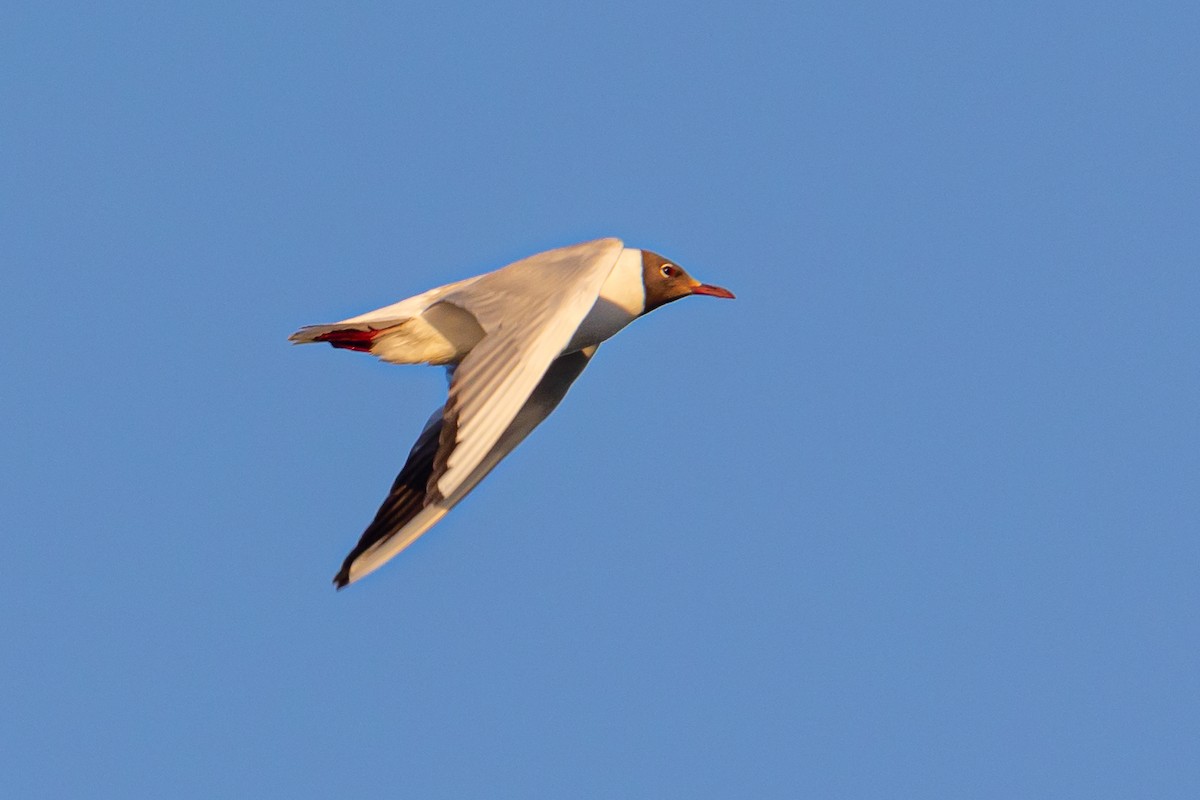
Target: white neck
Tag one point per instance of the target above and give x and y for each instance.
(624, 287)
(621, 300)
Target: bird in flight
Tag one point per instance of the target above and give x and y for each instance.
(513, 341)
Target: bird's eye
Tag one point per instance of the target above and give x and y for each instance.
(667, 271)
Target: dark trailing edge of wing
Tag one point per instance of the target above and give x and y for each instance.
(415, 487)
(404, 501)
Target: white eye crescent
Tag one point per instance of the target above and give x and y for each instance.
(667, 271)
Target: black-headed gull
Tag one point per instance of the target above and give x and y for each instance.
(514, 341)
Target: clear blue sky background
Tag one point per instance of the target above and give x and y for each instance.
(916, 516)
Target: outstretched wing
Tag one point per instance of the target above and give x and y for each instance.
(410, 509)
(528, 311)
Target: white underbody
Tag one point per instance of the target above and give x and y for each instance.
(444, 333)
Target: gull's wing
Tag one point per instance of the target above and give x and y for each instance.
(410, 508)
(528, 311)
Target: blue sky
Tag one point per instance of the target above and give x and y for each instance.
(916, 516)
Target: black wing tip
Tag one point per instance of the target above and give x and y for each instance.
(342, 579)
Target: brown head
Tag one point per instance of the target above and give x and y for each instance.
(666, 281)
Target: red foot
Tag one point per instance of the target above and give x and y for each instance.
(350, 339)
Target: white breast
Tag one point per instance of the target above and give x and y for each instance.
(621, 300)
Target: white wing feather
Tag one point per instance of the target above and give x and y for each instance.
(529, 312)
